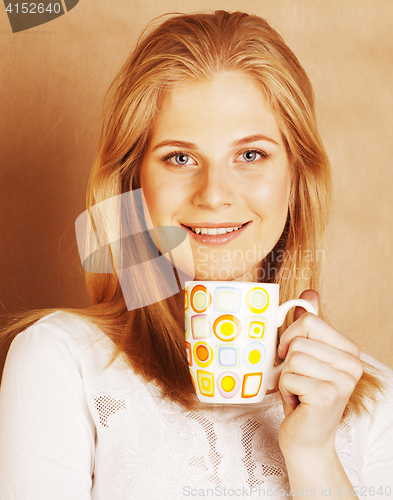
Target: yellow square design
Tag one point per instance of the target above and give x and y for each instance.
(251, 384)
(205, 383)
(256, 329)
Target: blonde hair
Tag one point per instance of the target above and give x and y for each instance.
(195, 47)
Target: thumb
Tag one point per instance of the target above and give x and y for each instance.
(311, 296)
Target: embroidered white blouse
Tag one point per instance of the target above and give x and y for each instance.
(73, 428)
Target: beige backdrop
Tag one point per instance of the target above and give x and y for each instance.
(52, 82)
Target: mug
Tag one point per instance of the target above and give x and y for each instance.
(231, 338)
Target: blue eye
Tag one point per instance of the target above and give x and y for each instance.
(181, 159)
(250, 155)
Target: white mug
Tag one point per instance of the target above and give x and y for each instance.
(231, 337)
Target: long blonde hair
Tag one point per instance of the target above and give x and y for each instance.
(195, 47)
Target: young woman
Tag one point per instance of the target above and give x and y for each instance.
(212, 116)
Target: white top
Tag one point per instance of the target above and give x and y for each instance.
(71, 429)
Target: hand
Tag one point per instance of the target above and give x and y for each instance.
(320, 372)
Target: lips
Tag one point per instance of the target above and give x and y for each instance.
(216, 239)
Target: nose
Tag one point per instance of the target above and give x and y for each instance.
(214, 188)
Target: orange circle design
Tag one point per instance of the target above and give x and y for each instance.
(230, 319)
(195, 290)
(203, 354)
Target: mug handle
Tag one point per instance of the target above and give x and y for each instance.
(281, 313)
(284, 308)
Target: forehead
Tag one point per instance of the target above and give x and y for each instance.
(227, 104)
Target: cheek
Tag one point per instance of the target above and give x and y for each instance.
(147, 181)
(162, 196)
(282, 197)
(282, 191)
(272, 199)
(149, 185)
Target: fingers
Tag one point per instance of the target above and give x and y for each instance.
(307, 379)
(316, 393)
(306, 365)
(311, 392)
(312, 327)
(304, 353)
(321, 365)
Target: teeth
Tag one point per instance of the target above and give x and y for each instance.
(212, 231)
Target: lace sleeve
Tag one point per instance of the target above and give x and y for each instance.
(378, 473)
(47, 434)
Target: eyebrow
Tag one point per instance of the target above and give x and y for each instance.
(239, 142)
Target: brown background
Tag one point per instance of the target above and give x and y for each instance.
(52, 83)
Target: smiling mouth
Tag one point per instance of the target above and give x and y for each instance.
(214, 231)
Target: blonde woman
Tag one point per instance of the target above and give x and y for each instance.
(212, 116)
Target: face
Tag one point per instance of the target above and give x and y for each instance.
(216, 165)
